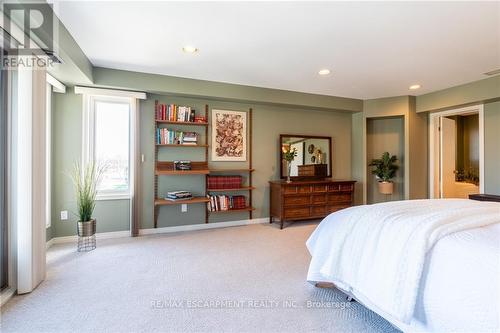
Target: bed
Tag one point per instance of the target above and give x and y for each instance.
(424, 265)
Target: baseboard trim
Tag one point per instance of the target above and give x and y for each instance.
(6, 295)
(152, 231)
(204, 226)
(99, 235)
(49, 243)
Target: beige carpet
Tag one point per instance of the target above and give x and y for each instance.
(240, 279)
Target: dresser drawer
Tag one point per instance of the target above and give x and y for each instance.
(339, 198)
(318, 211)
(318, 199)
(297, 189)
(320, 188)
(292, 213)
(346, 187)
(332, 209)
(333, 187)
(297, 200)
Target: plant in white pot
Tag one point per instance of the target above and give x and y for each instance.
(385, 170)
(86, 180)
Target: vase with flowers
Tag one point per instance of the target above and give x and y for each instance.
(289, 155)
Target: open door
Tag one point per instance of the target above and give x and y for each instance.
(448, 141)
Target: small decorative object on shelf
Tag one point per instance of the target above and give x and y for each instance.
(289, 155)
(86, 180)
(200, 119)
(182, 165)
(385, 170)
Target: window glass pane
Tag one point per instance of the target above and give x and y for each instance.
(112, 144)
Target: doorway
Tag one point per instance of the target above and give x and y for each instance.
(457, 153)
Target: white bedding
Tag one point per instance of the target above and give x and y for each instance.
(422, 264)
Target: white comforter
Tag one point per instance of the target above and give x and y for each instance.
(378, 252)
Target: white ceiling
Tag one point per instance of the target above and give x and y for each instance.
(374, 49)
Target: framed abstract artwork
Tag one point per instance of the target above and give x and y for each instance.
(229, 135)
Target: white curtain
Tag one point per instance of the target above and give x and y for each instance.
(28, 177)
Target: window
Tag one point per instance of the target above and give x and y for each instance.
(108, 143)
(109, 127)
(112, 142)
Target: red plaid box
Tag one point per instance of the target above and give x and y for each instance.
(224, 182)
(239, 202)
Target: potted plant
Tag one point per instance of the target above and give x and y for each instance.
(86, 181)
(385, 170)
(289, 155)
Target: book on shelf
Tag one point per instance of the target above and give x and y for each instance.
(182, 165)
(165, 136)
(224, 182)
(179, 195)
(173, 112)
(225, 202)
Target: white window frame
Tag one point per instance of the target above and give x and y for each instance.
(53, 85)
(48, 154)
(90, 97)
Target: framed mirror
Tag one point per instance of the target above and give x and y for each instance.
(313, 159)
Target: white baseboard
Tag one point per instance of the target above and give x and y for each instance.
(203, 226)
(99, 235)
(151, 231)
(6, 294)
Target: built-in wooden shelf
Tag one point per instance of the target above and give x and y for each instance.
(243, 188)
(194, 200)
(180, 145)
(247, 209)
(167, 169)
(231, 170)
(180, 172)
(187, 123)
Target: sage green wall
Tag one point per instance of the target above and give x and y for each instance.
(385, 134)
(178, 86)
(492, 147)
(268, 123)
(357, 156)
(413, 157)
(111, 215)
(482, 91)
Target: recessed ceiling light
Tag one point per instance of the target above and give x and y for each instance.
(324, 71)
(189, 49)
(415, 87)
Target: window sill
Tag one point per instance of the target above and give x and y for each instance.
(104, 197)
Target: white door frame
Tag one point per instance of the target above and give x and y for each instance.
(433, 125)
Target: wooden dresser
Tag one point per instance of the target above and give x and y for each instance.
(312, 199)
